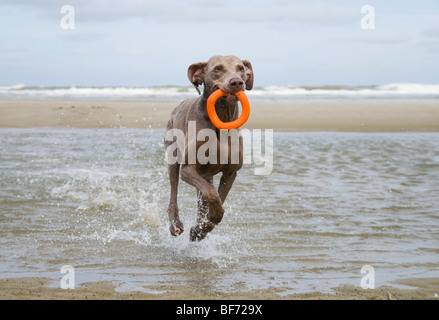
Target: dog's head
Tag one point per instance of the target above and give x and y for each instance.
(228, 73)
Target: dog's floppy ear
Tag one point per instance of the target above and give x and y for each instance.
(196, 73)
(248, 74)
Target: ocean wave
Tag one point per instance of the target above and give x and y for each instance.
(418, 88)
(22, 91)
(391, 91)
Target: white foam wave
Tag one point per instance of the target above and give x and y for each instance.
(417, 88)
(13, 87)
(22, 91)
(387, 89)
(267, 93)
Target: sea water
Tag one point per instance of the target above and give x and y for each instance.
(385, 92)
(96, 199)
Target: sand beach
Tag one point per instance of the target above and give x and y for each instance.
(310, 116)
(43, 289)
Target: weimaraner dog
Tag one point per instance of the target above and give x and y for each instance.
(231, 75)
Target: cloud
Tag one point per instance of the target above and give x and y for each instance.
(371, 37)
(306, 12)
(288, 41)
(81, 37)
(430, 39)
(12, 49)
(195, 12)
(431, 32)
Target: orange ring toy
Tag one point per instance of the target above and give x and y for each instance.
(233, 124)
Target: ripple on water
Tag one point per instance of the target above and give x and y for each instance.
(97, 200)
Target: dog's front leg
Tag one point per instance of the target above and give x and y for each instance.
(203, 225)
(176, 226)
(210, 197)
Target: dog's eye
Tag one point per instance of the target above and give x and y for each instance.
(241, 68)
(218, 68)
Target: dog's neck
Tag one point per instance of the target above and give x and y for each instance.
(225, 110)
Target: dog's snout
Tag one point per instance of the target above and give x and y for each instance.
(236, 84)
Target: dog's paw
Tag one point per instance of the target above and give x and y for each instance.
(176, 228)
(216, 212)
(200, 231)
(196, 234)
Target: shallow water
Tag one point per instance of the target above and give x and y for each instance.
(96, 199)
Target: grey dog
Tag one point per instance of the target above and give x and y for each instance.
(230, 74)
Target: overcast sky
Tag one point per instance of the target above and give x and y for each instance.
(146, 43)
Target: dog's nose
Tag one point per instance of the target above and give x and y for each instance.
(236, 84)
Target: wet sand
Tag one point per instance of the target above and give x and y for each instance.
(43, 289)
(313, 116)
